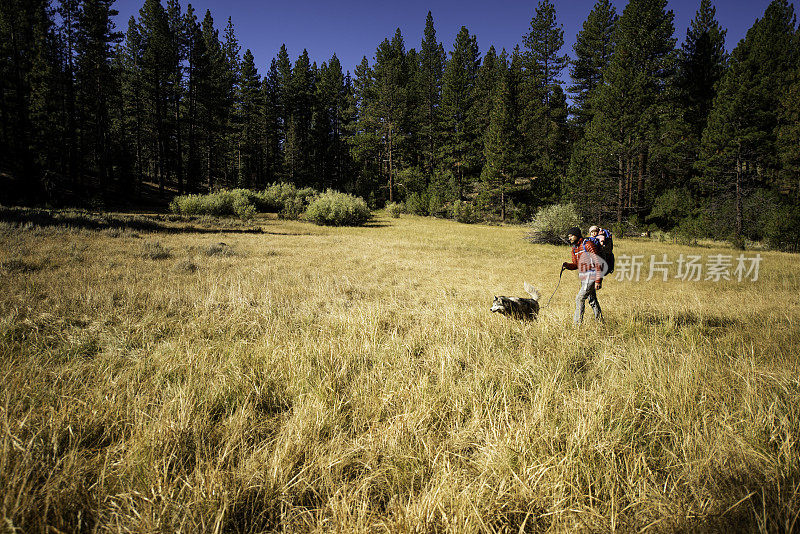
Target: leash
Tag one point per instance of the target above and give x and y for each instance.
(556, 289)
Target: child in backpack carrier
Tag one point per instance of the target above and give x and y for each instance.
(604, 241)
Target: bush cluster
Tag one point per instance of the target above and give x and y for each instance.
(286, 200)
(228, 202)
(338, 209)
(393, 209)
(425, 203)
(551, 223)
(463, 212)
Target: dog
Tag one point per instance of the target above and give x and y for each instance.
(517, 307)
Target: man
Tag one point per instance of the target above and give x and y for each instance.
(590, 273)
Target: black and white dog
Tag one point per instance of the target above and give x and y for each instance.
(520, 308)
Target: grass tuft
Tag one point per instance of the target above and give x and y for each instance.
(219, 249)
(155, 251)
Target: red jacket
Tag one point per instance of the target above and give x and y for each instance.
(586, 263)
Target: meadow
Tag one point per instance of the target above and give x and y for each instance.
(210, 378)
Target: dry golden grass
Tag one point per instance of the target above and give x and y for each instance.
(353, 379)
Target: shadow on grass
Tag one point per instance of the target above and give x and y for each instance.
(376, 224)
(87, 220)
(685, 319)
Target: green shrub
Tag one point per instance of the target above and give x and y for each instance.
(243, 208)
(436, 207)
(393, 209)
(551, 223)
(780, 228)
(670, 208)
(690, 229)
(517, 212)
(286, 200)
(417, 204)
(338, 209)
(463, 212)
(233, 202)
(737, 242)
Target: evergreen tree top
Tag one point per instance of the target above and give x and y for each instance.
(705, 23)
(593, 48)
(543, 44)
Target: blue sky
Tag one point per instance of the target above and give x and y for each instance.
(354, 28)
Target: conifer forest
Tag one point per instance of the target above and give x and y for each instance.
(644, 129)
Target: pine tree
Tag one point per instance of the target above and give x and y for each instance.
(321, 128)
(546, 105)
(387, 108)
(29, 74)
(156, 67)
(229, 73)
(543, 45)
(95, 85)
(197, 73)
(285, 105)
(248, 146)
(432, 59)
(630, 106)
(69, 12)
(131, 125)
(490, 74)
(46, 115)
(298, 132)
(175, 88)
(329, 136)
(412, 146)
(739, 148)
(593, 48)
(788, 134)
(271, 139)
(702, 62)
(461, 147)
(498, 145)
(211, 103)
(365, 141)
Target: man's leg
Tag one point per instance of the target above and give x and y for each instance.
(594, 303)
(580, 302)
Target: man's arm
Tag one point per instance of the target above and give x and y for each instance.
(571, 266)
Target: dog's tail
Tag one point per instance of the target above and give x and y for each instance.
(532, 291)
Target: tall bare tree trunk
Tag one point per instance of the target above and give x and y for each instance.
(391, 177)
(738, 195)
(208, 163)
(502, 198)
(640, 184)
(178, 146)
(630, 183)
(620, 189)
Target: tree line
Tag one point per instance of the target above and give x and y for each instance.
(687, 138)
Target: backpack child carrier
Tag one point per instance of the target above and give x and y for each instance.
(606, 252)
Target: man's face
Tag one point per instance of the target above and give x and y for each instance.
(594, 233)
(572, 238)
